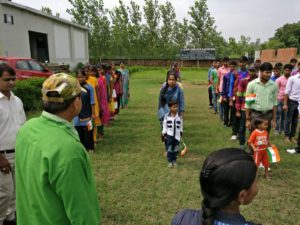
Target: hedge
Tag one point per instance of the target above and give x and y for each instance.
(30, 92)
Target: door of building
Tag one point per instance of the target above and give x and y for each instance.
(39, 46)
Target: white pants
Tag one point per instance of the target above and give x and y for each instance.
(7, 191)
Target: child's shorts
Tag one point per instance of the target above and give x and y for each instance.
(261, 156)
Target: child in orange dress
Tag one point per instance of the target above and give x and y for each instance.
(259, 141)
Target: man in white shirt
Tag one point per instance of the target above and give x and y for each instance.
(12, 116)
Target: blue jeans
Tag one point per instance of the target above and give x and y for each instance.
(280, 117)
(221, 108)
(215, 99)
(291, 119)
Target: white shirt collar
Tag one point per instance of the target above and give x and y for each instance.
(3, 96)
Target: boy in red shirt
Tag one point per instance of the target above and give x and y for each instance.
(259, 141)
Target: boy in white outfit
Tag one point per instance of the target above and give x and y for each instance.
(172, 132)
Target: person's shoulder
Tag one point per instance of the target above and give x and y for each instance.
(188, 217)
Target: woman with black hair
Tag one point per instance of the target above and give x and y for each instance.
(227, 180)
(170, 92)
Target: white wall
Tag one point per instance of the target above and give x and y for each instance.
(62, 42)
(79, 44)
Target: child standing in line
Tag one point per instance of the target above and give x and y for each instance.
(259, 141)
(82, 122)
(172, 132)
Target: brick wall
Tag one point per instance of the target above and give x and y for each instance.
(282, 55)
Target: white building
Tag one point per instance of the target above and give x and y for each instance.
(30, 33)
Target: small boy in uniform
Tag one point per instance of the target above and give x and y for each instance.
(172, 132)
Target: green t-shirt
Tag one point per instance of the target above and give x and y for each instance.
(54, 179)
(266, 95)
(214, 76)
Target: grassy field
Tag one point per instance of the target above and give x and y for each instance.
(136, 187)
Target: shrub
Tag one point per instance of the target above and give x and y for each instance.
(30, 92)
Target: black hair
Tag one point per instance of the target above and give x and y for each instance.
(279, 64)
(266, 66)
(293, 60)
(243, 59)
(259, 121)
(277, 67)
(6, 68)
(257, 61)
(226, 59)
(119, 74)
(232, 63)
(80, 71)
(95, 70)
(288, 66)
(171, 103)
(57, 107)
(163, 100)
(225, 173)
(218, 60)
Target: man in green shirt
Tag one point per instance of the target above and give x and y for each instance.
(264, 93)
(54, 180)
(213, 81)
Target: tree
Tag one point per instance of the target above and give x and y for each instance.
(151, 28)
(167, 30)
(202, 25)
(91, 13)
(46, 10)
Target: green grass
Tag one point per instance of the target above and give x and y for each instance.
(134, 184)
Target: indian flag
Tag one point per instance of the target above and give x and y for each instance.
(250, 98)
(273, 154)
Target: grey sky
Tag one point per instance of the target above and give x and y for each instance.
(254, 18)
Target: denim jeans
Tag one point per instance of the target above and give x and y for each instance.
(221, 108)
(291, 119)
(215, 99)
(280, 117)
(242, 128)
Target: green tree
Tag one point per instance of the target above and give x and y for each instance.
(46, 10)
(91, 13)
(120, 26)
(202, 25)
(151, 28)
(135, 37)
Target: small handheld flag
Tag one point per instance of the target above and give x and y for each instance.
(250, 99)
(273, 154)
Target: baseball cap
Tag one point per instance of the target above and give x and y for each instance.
(60, 87)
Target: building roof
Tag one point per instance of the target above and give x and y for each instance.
(40, 13)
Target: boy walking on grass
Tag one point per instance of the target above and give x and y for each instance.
(172, 132)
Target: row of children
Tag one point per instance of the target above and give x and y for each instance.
(104, 90)
(248, 97)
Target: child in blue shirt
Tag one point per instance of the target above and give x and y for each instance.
(83, 122)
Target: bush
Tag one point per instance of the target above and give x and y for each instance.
(30, 92)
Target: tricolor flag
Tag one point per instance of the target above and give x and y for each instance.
(273, 154)
(250, 98)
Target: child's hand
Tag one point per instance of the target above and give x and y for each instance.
(181, 133)
(162, 138)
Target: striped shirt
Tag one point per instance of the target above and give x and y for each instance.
(266, 95)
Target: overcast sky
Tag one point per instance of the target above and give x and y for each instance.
(254, 18)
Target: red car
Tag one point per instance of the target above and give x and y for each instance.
(26, 67)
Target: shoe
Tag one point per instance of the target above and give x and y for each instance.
(10, 222)
(170, 165)
(287, 140)
(233, 137)
(293, 140)
(291, 151)
(174, 164)
(242, 147)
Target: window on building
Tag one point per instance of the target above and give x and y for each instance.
(8, 19)
(36, 66)
(22, 65)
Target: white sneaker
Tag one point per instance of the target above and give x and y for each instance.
(233, 137)
(174, 164)
(291, 151)
(170, 165)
